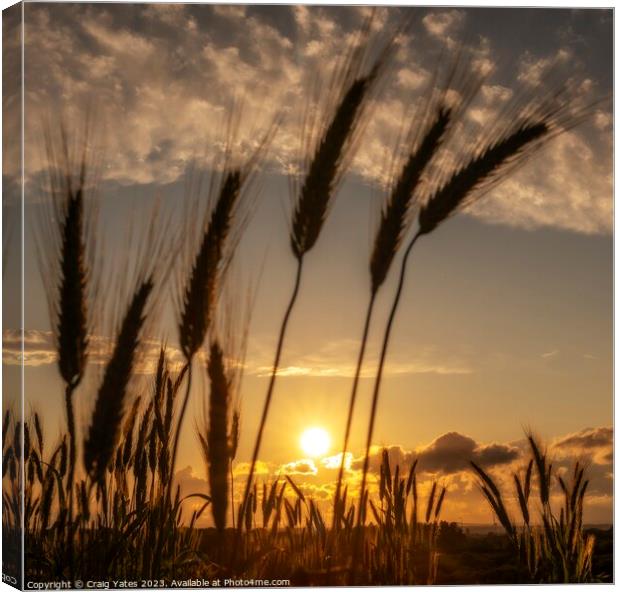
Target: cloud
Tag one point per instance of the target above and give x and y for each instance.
(334, 462)
(412, 79)
(336, 359)
(452, 452)
(594, 444)
(567, 185)
(164, 76)
(532, 69)
(39, 350)
(441, 24)
(445, 460)
(448, 454)
(300, 467)
(261, 468)
(588, 438)
(331, 360)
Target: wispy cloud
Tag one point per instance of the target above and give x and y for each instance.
(332, 360)
(337, 359)
(39, 350)
(595, 444)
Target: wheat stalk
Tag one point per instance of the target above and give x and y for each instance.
(444, 203)
(66, 272)
(395, 216)
(107, 415)
(328, 157)
(217, 441)
(489, 167)
(219, 239)
(203, 283)
(201, 288)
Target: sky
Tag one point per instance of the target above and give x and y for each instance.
(506, 319)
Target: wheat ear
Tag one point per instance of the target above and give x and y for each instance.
(108, 413)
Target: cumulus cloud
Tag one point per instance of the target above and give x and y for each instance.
(443, 23)
(449, 453)
(304, 466)
(445, 460)
(334, 462)
(595, 444)
(531, 68)
(164, 75)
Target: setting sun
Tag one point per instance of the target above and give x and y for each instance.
(315, 441)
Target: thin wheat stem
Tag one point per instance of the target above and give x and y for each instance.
(347, 432)
(232, 494)
(270, 389)
(72, 445)
(376, 391)
(384, 347)
(177, 433)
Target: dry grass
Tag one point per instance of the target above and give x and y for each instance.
(550, 548)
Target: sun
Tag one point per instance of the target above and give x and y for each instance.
(315, 441)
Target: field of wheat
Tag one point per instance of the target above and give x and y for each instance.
(101, 503)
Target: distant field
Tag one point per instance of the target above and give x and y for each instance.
(484, 556)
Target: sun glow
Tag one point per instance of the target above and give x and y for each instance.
(315, 441)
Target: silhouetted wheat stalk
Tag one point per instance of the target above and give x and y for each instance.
(201, 289)
(218, 432)
(65, 267)
(491, 165)
(428, 130)
(107, 416)
(395, 217)
(218, 241)
(427, 133)
(328, 156)
(557, 549)
(217, 444)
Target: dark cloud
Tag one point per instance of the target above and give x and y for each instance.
(448, 454)
(447, 458)
(452, 452)
(588, 438)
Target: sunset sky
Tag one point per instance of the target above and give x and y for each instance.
(506, 320)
